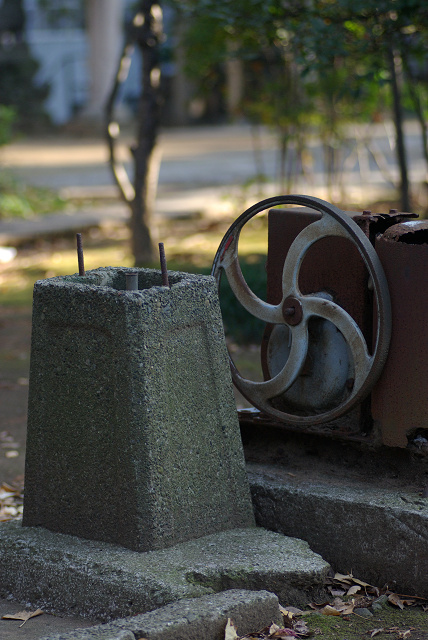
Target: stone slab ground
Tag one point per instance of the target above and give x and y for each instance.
(378, 534)
(68, 575)
(203, 618)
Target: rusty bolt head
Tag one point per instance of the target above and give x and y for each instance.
(292, 311)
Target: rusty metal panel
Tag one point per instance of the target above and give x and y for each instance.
(400, 397)
(332, 264)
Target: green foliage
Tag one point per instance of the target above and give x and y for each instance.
(205, 47)
(240, 326)
(18, 89)
(322, 63)
(7, 118)
(23, 201)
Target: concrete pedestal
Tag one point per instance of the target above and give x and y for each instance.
(133, 435)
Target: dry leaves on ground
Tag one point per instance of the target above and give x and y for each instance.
(7, 442)
(401, 635)
(362, 595)
(349, 595)
(293, 628)
(12, 499)
(22, 615)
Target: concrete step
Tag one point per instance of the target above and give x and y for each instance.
(203, 618)
(62, 574)
(379, 534)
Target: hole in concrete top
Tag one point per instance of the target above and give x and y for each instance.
(147, 279)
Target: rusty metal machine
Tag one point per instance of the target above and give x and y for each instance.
(345, 345)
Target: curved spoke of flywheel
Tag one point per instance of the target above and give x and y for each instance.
(314, 306)
(322, 228)
(263, 391)
(254, 305)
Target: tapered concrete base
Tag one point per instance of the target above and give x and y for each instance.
(133, 435)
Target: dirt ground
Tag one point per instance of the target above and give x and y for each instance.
(15, 338)
(338, 463)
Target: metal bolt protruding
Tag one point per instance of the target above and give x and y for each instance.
(131, 281)
(289, 311)
(165, 280)
(292, 311)
(80, 259)
(367, 212)
(392, 211)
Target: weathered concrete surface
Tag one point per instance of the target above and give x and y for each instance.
(66, 574)
(379, 535)
(202, 618)
(133, 436)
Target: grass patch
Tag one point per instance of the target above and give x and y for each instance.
(18, 277)
(190, 246)
(18, 200)
(392, 621)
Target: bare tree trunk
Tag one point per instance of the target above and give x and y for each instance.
(148, 40)
(415, 97)
(398, 123)
(146, 33)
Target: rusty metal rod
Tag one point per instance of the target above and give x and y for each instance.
(80, 259)
(165, 280)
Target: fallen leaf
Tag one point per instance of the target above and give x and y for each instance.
(361, 583)
(263, 633)
(349, 609)
(352, 590)
(338, 592)
(301, 628)
(404, 634)
(342, 578)
(230, 631)
(328, 610)
(376, 632)
(344, 608)
(22, 615)
(273, 627)
(289, 615)
(280, 634)
(395, 600)
(316, 606)
(293, 610)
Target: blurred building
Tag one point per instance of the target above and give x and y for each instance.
(77, 44)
